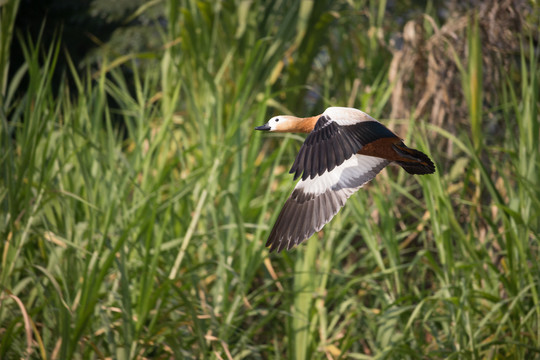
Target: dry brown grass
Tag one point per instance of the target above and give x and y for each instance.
(425, 68)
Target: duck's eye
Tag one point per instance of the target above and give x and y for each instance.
(277, 120)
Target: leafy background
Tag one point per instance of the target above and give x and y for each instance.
(136, 197)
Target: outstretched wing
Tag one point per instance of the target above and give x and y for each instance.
(334, 140)
(316, 200)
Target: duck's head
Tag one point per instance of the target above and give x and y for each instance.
(287, 123)
(281, 123)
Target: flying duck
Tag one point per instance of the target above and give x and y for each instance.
(344, 150)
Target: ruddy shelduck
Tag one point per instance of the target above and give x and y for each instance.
(344, 150)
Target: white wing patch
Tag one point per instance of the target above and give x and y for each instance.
(352, 173)
(347, 116)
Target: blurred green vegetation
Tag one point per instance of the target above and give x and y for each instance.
(136, 200)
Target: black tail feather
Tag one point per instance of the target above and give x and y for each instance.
(415, 162)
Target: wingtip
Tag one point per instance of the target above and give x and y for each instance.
(271, 244)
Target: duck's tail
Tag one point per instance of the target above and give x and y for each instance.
(414, 161)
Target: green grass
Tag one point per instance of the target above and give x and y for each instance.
(134, 212)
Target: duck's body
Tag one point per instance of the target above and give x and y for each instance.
(344, 150)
